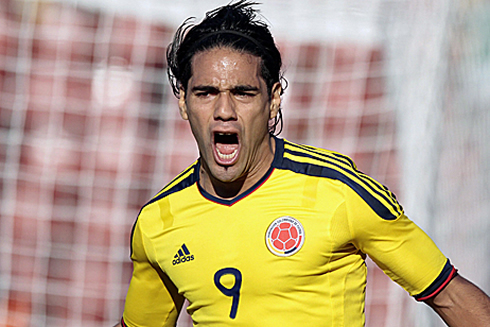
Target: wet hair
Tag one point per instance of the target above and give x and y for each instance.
(235, 26)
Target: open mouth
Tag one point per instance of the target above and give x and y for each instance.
(226, 147)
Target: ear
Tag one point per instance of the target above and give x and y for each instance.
(183, 105)
(275, 100)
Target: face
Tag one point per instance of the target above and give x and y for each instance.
(228, 109)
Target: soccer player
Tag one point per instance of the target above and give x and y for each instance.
(260, 231)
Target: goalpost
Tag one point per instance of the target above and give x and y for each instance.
(89, 130)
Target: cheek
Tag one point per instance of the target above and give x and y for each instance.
(262, 116)
(197, 117)
(200, 127)
(197, 126)
(258, 124)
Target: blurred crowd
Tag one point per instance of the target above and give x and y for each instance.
(81, 111)
(89, 132)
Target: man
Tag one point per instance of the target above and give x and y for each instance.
(261, 231)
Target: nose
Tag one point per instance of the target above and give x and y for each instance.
(225, 108)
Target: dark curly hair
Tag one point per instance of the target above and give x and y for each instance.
(234, 26)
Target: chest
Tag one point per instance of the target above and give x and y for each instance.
(286, 233)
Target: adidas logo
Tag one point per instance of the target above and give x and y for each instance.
(183, 255)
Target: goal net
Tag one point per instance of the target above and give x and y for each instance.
(89, 131)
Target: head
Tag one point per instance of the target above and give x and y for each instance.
(234, 26)
(226, 72)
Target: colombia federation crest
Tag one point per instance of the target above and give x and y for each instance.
(285, 236)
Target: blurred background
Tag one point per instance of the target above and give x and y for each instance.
(89, 131)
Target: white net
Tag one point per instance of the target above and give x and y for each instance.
(89, 130)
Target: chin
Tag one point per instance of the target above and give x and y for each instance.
(225, 174)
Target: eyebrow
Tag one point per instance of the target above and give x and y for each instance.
(239, 88)
(245, 88)
(204, 88)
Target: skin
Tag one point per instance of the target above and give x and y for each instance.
(463, 304)
(227, 94)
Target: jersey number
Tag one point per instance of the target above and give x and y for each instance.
(234, 291)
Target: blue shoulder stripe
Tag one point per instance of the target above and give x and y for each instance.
(185, 179)
(336, 166)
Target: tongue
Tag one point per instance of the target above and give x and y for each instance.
(226, 148)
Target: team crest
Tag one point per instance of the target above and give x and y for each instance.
(285, 236)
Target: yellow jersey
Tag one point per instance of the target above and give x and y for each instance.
(290, 251)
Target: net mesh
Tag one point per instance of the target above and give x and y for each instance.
(89, 131)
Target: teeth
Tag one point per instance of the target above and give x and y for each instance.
(226, 156)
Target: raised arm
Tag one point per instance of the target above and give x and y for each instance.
(461, 303)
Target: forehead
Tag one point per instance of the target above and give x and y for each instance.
(224, 64)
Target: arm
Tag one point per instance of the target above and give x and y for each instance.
(412, 259)
(152, 298)
(461, 303)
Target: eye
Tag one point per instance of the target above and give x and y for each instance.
(205, 93)
(243, 93)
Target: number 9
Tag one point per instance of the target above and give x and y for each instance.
(234, 291)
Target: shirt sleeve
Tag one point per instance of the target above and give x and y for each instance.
(152, 299)
(399, 247)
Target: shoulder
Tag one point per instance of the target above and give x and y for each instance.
(310, 160)
(156, 210)
(185, 179)
(154, 216)
(313, 161)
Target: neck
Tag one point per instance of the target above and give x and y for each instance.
(228, 190)
(231, 189)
